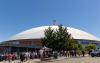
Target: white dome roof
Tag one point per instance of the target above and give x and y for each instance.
(38, 32)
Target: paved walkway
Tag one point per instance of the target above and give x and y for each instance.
(79, 60)
(34, 61)
(65, 60)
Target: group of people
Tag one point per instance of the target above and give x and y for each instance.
(24, 56)
(71, 53)
(6, 57)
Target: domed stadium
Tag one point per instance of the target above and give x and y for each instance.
(31, 39)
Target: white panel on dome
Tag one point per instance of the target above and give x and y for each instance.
(38, 32)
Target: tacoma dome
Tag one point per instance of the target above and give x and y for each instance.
(31, 39)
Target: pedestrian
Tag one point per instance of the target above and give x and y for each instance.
(55, 54)
(75, 54)
(68, 53)
(90, 52)
(31, 55)
(22, 57)
(35, 54)
(41, 53)
(83, 53)
(71, 53)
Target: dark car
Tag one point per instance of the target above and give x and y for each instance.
(95, 53)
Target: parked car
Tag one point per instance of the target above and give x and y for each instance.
(95, 53)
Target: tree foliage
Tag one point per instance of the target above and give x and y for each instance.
(90, 47)
(49, 38)
(80, 47)
(59, 39)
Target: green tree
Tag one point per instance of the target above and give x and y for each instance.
(63, 37)
(80, 47)
(59, 39)
(49, 38)
(90, 47)
(73, 44)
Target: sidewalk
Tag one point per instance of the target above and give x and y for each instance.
(53, 60)
(35, 60)
(60, 58)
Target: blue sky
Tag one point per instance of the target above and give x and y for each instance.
(20, 15)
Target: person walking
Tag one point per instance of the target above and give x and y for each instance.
(83, 53)
(22, 57)
(55, 54)
(75, 53)
(41, 53)
(68, 53)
